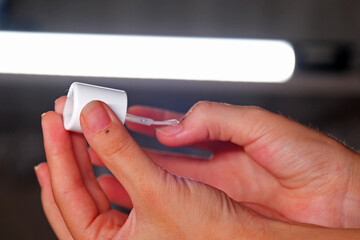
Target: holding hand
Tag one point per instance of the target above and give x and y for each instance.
(165, 206)
(279, 167)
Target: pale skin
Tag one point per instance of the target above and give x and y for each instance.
(268, 178)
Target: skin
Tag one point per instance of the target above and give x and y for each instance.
(249, 164)
(280, 168)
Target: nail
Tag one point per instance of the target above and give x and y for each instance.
(170, 130)
(96, 116)
(36, 173)
(42, 115)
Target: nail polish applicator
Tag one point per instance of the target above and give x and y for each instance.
(81, 94)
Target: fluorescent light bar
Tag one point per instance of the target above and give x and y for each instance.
(130, 56)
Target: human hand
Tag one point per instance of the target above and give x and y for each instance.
(164, 206)
(278, 167)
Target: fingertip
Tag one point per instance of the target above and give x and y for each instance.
(55, 137)
(180, 135)
(45, 117)
(59, 104)
(51, 122)
(49, 115)
(95, 117)
(44, 114)
(169, 131)
(40, 166)
(42, 173)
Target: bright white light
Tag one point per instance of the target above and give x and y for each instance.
(127, 56)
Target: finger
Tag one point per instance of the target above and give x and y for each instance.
(115, 192)
(261, 133)
(87, 173)
(50, 208)
(153, 113)
(95, 158)
(66, 180)
(107, 136)
(161, 115)
(215, 122)
(75, 203)
(83, 160)
(59, 104)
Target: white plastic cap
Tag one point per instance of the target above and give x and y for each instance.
(81, 94)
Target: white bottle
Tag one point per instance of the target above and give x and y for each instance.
(81, 94)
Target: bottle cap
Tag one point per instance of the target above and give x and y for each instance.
(81, 94)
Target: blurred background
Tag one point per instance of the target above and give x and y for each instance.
(324, 92)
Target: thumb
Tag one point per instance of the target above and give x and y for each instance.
(107, 136)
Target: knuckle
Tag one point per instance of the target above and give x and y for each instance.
(67, 191)
(201, 109)
(115, 147)
(202, 106)
(257, 113)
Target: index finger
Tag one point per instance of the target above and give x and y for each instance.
(76, 204)
(68, 188)
(161, 115)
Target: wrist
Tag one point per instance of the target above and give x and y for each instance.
(351, 203)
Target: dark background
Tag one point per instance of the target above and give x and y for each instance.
(324, 92)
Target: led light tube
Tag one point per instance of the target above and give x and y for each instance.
(147, 57)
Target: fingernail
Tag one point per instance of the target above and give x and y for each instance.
(96, 116)
(42, 115)
(170, 130)
(36, 173)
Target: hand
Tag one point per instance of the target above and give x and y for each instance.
(164, 206)
(279, 167)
